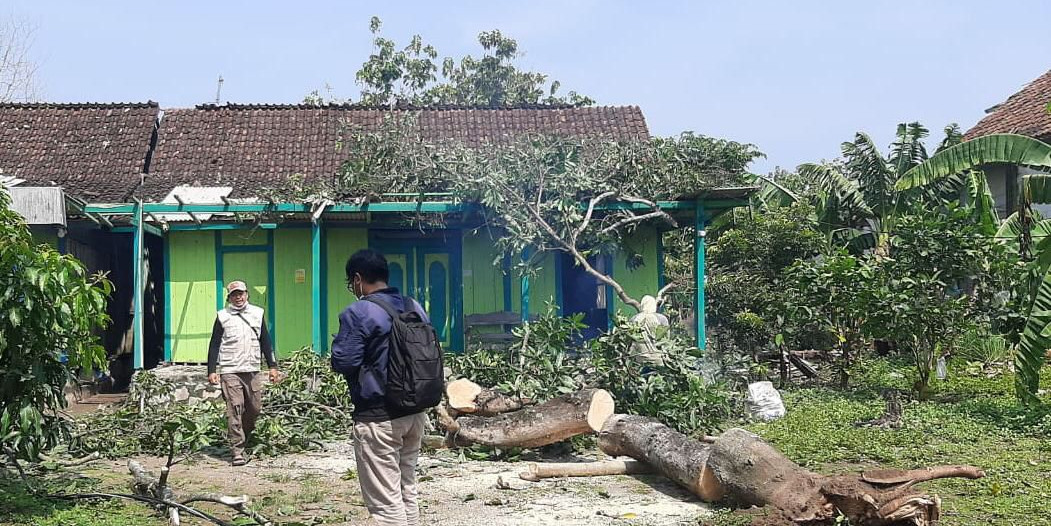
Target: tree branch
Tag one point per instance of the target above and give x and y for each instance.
(572, 249)
(591, 210)
(637, 218)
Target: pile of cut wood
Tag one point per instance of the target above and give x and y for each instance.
(737, 465)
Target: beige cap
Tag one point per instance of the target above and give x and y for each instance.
(235, 286)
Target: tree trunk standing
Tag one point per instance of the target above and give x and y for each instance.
(844, 371)
(783, 364)
(553, 421)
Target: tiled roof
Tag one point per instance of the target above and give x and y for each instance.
(1024, 113)
(248, 146)
(95, 151)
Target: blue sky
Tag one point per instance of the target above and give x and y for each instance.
(796, 78)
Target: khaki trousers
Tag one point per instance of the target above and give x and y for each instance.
(386, 454)
(243, 393)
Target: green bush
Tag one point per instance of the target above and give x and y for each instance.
(50, 313)
(541, 364)
(309, 405)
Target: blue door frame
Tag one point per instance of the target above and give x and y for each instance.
(419, 262)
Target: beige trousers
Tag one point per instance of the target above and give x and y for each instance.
(244, 401)
(386, 454)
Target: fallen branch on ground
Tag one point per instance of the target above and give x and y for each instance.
(537, 471)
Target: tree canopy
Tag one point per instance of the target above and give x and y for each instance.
(413, 75)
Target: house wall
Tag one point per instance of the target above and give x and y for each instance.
(338, 245)
(483, 279)
(293, 280)
(278, 265)
(192, 295)
(996, 176)
(643, 277)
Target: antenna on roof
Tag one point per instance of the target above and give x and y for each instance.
(218, 90)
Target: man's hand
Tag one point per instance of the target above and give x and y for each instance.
(274, 375)
(213, 378)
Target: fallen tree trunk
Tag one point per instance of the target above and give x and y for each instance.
(741, 466)
(553, 421)
(537, 471)
(466, 396)
(673, 454)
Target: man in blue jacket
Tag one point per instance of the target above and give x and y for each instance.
(386, 441)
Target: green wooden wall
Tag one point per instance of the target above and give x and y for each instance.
(292, 287)
(339, 244)
(643, 279)
(194, 287)
(191, 305)
(483, 281)
(542, 287)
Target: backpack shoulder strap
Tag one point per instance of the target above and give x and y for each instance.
(383, 305)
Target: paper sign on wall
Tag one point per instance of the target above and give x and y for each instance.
(301, 275)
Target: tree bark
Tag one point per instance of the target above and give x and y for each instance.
(741, 466)
(673, 454)
(553, 421)
(466, 396)
(537, 471)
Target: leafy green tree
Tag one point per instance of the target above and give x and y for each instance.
(548, 194)
(745, 272)
(50, 312)
(935, 286)
(832, 294)
(855, 198)
(411, 76)
(1023, 232)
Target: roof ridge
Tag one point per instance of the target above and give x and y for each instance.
(398, 107)
(79, 105)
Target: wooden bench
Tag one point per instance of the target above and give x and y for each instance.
(503, 320)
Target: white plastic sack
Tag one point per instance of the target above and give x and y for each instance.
(764, 401)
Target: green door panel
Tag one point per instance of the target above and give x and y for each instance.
(251, 268)
(435, 293)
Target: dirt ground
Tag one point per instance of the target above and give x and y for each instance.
(320, 488)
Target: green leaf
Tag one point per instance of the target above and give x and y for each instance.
(998, 148)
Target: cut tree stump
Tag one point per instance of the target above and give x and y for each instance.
(466, 396)
(741, 466)
(537, 471)
(553, 421)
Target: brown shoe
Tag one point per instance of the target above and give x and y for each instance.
(238, 461)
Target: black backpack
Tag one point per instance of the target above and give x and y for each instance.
(416, 369)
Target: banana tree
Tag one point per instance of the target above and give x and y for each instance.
(856, 199)
(1024, 231)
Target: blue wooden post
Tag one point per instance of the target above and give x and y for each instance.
(698, 271)
(137, 288)
(315, 285)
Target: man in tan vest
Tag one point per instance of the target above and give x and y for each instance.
(239, 338)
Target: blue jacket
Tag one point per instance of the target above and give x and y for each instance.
(359, 351)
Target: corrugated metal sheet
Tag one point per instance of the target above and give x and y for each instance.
(39, 205)
(195, 195)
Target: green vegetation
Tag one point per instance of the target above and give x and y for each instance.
(50, 312)
(970, 419)
(310, 405)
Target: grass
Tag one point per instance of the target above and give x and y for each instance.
(20, 506)
(970, 419)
